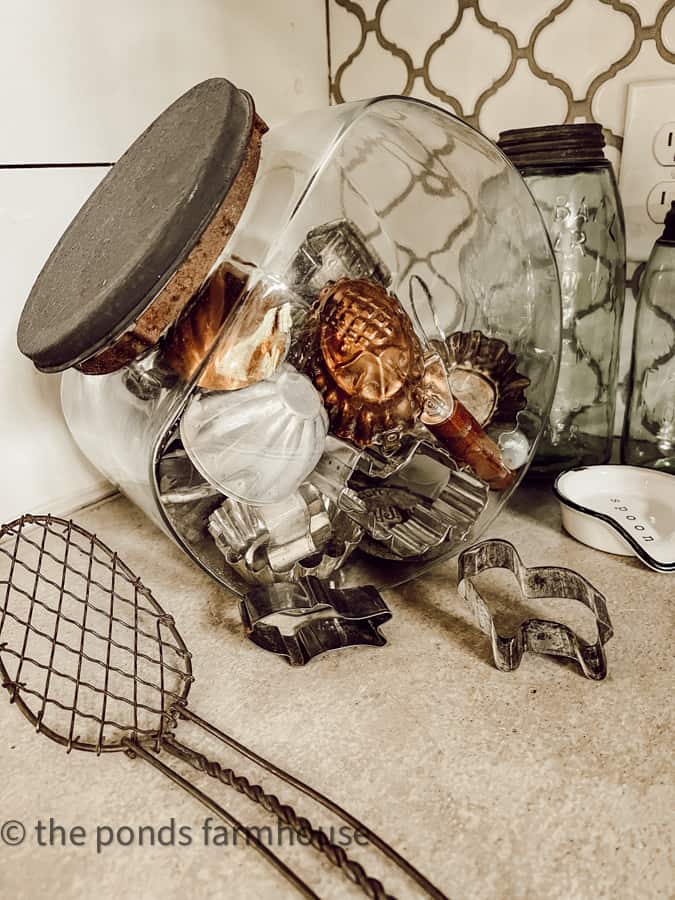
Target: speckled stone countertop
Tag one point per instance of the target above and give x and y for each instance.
(532, 784)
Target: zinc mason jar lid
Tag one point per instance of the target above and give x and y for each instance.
(147, 237)
(555, 146)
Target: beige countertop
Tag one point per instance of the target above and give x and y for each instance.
(531, 784)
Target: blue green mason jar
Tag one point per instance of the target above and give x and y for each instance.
(649, 428)
(574, 187)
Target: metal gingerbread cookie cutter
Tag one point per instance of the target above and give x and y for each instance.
(302, 619)
(537, 635)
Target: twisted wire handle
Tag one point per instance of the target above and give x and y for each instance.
(354, 871)
(181, 711)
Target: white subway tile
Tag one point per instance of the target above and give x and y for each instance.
(80, 79)
(42, 470)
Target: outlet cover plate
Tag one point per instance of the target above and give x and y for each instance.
(651, 105)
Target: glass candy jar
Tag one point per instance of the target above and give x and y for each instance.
(649, 428)
(574, 186)
(325, 349)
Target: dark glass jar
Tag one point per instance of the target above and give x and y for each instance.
(649, 429)
(575, 189)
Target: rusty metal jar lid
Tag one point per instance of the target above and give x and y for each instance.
(553, 146)
(147, 237)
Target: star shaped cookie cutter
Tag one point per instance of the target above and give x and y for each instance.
(300, 620)
(536, 635)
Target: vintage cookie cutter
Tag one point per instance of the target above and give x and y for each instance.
(334, 250)
(382, 462)
(424, 502)
(331, 477)
(306, 618)
(414, 511)
(238, 527)
(268, 564)
(300, 536)
(341, 460)
(277, 563)
(179, 481)
(537, 635)
(410, 524)
(432, 474)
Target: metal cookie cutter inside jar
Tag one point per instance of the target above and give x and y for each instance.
(321, 350)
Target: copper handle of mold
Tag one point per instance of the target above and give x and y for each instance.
(466, 440)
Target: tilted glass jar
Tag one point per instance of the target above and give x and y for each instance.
(324, 349)
(649, 427)
(574, 186)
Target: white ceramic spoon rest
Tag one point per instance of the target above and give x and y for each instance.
(621, 509)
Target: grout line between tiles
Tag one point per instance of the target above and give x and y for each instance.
(328, 51)
(69, 165)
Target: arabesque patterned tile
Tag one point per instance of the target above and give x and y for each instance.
(520, 22)
(500, 64)
(582, 43)
(648, 9)
(523, 98)
(458, 77)
(384, 72)
(418, 32)
(668, 34)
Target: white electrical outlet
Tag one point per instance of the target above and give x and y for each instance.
(664, 144)
(647, 178)
(659, 200)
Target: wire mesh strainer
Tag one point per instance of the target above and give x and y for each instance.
(93, 662)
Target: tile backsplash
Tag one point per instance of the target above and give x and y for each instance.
(501, 64)
(507, 64)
